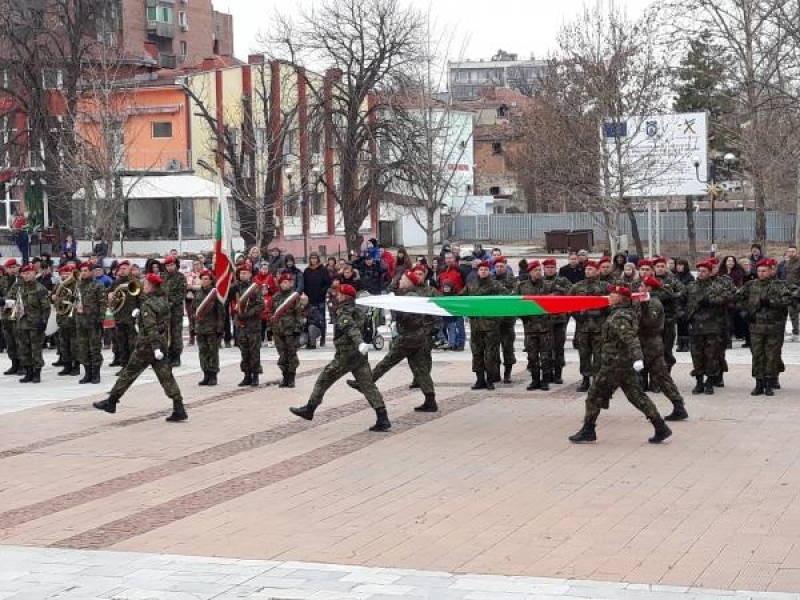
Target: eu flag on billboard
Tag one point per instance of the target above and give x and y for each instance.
(615, 129)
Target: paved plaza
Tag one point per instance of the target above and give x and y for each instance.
(485, 499)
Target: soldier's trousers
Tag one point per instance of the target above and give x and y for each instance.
(668, 337)
(765, 348)
(656, 368)
(589, 344)
(606, 383)
(356, 364)
(68, 341)
(507, 337)
(90, 343)
(125, 336)
(175, 332)
(250, 347)
(539, 347)
(794, 317)
(286, 344)
(208, 349)
(9, 329)
(138, 362)
(706, 355)
(29, 347)
(559, 341)
(484, 346)
(419, 361)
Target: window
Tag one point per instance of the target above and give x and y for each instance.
(52, 79)
(162, 129)
(497, 147)
(8, 206)
(494, 190)
(152, 13)
(183, 20)
(8, 140)
(165, 14)
(318, 203)
(4, 78)
(184, 50)
(262, 139)
(502, 111)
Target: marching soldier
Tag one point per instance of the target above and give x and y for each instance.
(589, 324)
(10, 325)
(559, 286)
(606, 270)
(175, 289)
(506, 324)
(412, 343)
(672, 295)
(286, 328)
(248, 305)
(153, 317)
(125, 324)
(351, 356)
(651, 336)
(765, 299)
(484, 339)
(538, 330)
(208, 327)
(729, 291)
(67, 329)
(621, 360)
(90, 308)
(32, 316)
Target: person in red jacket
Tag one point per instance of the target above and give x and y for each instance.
(391, 264)
(269, 287)
(451, 282)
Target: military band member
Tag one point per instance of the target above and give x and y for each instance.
(10, 325)
(560, 286)
(153, 318)
(351, 356)
(67, 329)
(672, 297)
(208, 326)
(286, 329)
(175, 290)
(32, 303)
(589, 324)
(125, 324)
(605, 270)
(90, 309)
(248, 304)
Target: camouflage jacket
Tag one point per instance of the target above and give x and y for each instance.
(764, 302)
(672, 295)
(590, 320)
(212, 321)
(536, 287)
(651, 320)
(153, 322)
(36, 302)
(348, 328)
(291, 322)
(484, 287)
(91, 308)
(175, 289)
(254, 305)
(793, 271)
(6, 283)
(560, 286)
(706, 306)
(123, 315)
(620, 346)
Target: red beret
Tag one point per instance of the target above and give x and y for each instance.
(86, 265)
(413, 277)
(483, 263)
(347, 290)
(549, 262)
(169, 260)
(653, 282)
(243, 267)
(27, 268)
(645, 262)
(285, 277)
(67, 268)
(713, 260)
(500, 259)
(124, 263)
(419, 267)
(705, 264)
(766, 262)
(534, 264)
(11, 262)
(154, 279)
(592, 263)
(660, 259)
(605, 259)
(619, 289)
(206, 273)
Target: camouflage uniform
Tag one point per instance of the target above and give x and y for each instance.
(208, 329)
(9, 326)
(671, 295)
(174, 287)
(125, 327)
(68, 340)
(589, 328)
(728, 290)
(30, 328)
(249, 323)
(507, 335)
(538, 335)
(560, 286)
(484, 336)
(286, 331)
(706, 303)
(347, 335)
(89, 316)
(793, 280)
(153, 321)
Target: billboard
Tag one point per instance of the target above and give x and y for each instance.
(652, 155)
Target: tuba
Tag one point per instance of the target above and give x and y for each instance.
(19, 307)
(131, 288)
(64, 302)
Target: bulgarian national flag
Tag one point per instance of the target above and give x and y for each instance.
(222, 245)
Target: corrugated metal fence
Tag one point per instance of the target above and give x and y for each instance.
(728, 226)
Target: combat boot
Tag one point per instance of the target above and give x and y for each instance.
(246, 380)
(13, 369)
(37, 376)
(429, 405)
(67, 370)
(557, 379)
(87, 377)
(678, 412)
(585, 435)
(284, 380)
(206, 375)
(507, 374)
(545, 384)
(290, 381)
(76, 368)
(175, 362)
(116, 362)
(662, 431)
(709, 387)
(776, 384)
(353, 384)
(759, 389)
(480, 382)
(178, 412)
(306, 411)
(768, 387)
(95, 375)
(28, 375)
(382, 422)
(490, 380)
(584, 385)
(212, 378)
(536, 382)
(719, 382)
(254, 379)
(109, 405)
(700, 387)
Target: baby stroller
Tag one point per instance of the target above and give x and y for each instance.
(371, 332)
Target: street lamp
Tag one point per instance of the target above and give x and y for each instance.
(713, 192)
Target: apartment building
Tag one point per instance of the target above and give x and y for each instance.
(469, 79)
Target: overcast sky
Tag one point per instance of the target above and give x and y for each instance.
(522, 26)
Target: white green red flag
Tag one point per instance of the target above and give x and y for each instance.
(222, 245)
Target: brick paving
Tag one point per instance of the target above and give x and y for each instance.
(487, 486)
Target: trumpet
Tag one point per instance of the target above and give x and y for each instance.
(132, 288)
(64, 296)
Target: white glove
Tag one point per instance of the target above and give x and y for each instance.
(638, 366)
(158, 354)
(363, 347)
(135, 313)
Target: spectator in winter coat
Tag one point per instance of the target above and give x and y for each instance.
(316, 281)
(387, 258)
(373, 249)
(276, 261)
(290, 267)
(572, 270)
(373, 275)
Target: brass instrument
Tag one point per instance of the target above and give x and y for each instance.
(19, 307)
(244, 298)
(64, 295)
(120, 294)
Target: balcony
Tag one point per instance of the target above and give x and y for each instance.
(167, 60)
(161, 29)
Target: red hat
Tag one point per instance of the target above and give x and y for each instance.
(619, 289)
(500, 259)
(11, 262)
(169, 260)
(549, 262)
(347, 290)
(705, 264)
(766, 262)
(413, 277)
(27, 268)
(713, 260)
(592, 263)
(419, 267)
(534, 264)
(243, 267)
(124, 263)
(285, 277)
(653, 282)
(645, 262)
(86, 265)
(206, 273)
(660, 260)
(67, 268)
(605, 259)
(154, 279)
(483, 263)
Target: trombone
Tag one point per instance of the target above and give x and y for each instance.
(120, 294)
